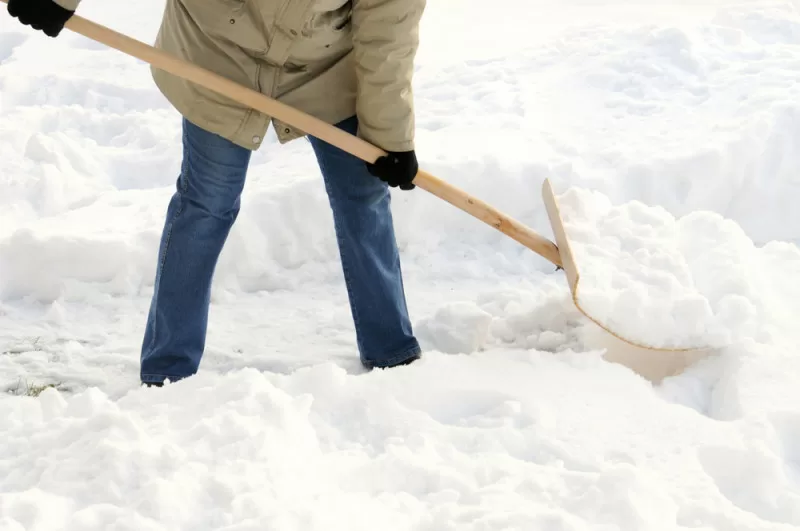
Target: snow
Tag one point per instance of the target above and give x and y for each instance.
(672, 283)
(460, 327)
(672, 126)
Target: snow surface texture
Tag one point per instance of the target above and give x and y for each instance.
(684, 116)
(690, 283)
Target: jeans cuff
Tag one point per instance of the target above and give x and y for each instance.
(409, 353)
(160, 378)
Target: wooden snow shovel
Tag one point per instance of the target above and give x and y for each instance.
(560, 255)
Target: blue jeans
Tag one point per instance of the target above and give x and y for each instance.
(199, 217)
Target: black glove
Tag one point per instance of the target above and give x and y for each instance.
(396, 169)
(44, 15)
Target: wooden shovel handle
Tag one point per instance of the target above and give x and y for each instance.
(312, 126)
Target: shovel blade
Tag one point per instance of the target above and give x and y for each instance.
(572, 269)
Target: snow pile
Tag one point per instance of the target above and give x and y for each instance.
(455, 328)
(667, 282)
(490, 441)
(410, 449)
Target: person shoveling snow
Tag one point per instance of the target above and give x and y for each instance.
(350, 65)
(372, 103)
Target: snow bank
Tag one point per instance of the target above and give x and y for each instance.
(110, 243)
(584, 105)
(504, 441)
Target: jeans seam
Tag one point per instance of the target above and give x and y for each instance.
(346, 271)
(342, 256)
(183, 186)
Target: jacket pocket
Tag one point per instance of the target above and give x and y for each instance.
(234, 21)
(324, 34)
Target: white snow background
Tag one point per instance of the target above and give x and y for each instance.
(515, 419)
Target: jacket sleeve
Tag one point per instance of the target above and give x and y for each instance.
(385, 42)
(71, 5)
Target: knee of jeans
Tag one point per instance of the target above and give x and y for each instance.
(213, 171)
(212, 193)
(222, 207)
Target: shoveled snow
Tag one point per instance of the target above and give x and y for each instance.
(680, 121)
(456, 328)
(667, 282)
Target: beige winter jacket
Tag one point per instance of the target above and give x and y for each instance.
(332, 59)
